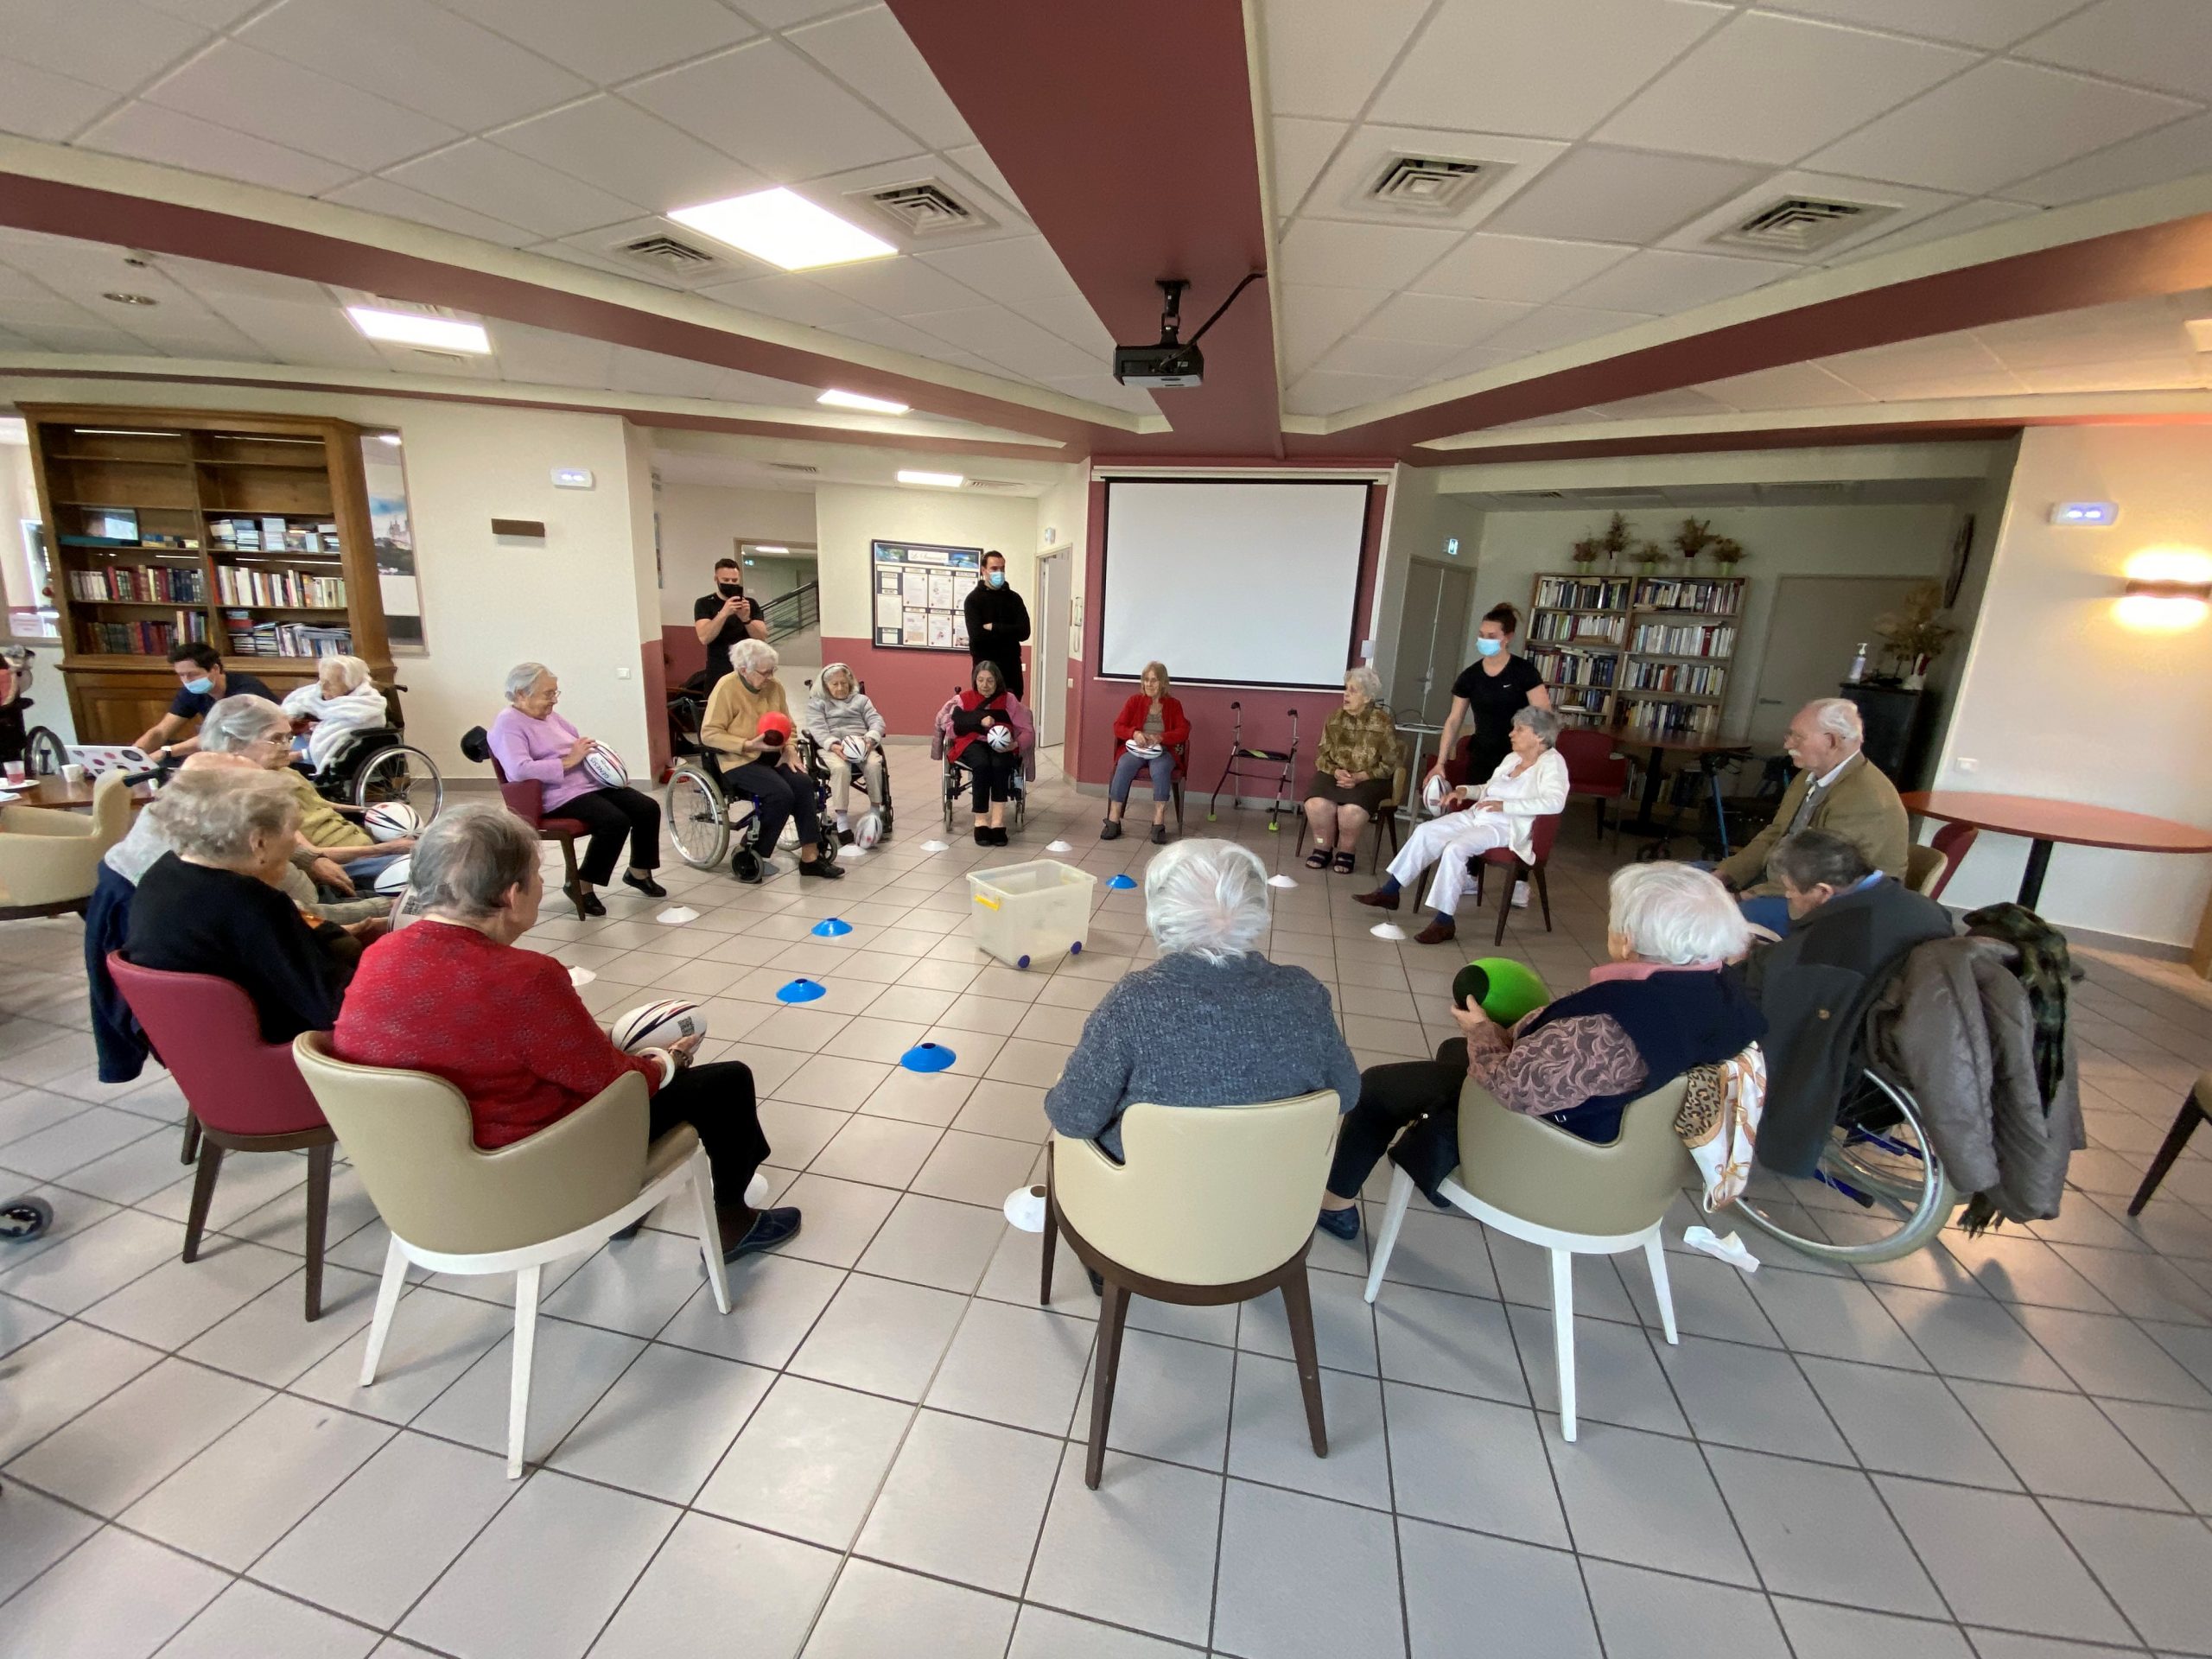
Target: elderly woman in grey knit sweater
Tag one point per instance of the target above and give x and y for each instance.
(1213, 1022)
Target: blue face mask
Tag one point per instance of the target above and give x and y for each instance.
(201, 687)
(1489, 647)
(996, 578)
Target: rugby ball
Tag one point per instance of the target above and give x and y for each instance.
(391, 821)
(658, 1024)
(394, 876)
(868, 830)
(856, 749)
(1433, 791)
(1000, 738)
(604, 767)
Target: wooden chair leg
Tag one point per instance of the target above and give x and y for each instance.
(1052, 1239)
(1298, 1304)
(1113, 1313)
(1544, 896)
(318, 1221)
(2185, 1121)
(1178, 808)
(574, 886)
(191, 1138)
(1507, 888)
(203, 1193)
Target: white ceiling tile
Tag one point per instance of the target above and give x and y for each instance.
(1909, 368)
(2159, 157)
(898, 287)
(630, 154)
(660, 376)
(1683, 401)
(1324, 58)
(2147, 374)
(607, 44)
(197, 332)
(1105, 388)
(479, 175)
(1792, 385)
(1403, 360)
(792, 298)
(1975, 22)
(1023, 349)
(889, 333)
(972, 328)
(870, 53)
(1526, 268)
(1547, 68)
(1596, 195)
(1553, 325)
(234, 86)
(546, 356)
(1333, 254)
(296, 332)
(975, 161)
(772, 109)
(1345, 190)
(1071, 318)
(1767, 88)
(1321, 392)
(736, 387)
(1479, 359)
(1010, 270)
(176, 139)
(2162, 43)
(1661, 281)
(89, 340)
(1952, 222)
(1447, 325)
(118, 44)
(39, 104)
(1298, 148)
(2102, 334)
(783, 14)
(384, 196)
(1309, 320)
(2001, 122)
(211, 281)
(213, 14)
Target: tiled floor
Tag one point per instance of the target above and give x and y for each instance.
(2000, 1448)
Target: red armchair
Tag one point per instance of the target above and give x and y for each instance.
(1542, 832)
(1593, 769)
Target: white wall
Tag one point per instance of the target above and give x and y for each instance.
(701, 523)
(849, 517)
(1869, 541)
(18, 501)
(2058, 699)
(1421, 520)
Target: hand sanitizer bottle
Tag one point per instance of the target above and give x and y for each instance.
(1858, 665)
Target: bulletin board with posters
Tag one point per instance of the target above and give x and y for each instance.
(919, 595)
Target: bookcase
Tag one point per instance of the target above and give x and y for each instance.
(1578, 625)
(1648, 655)
(248, 532)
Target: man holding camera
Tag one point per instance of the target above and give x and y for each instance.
(724, 617)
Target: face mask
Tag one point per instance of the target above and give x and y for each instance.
(1489, 647)
(201, 687)
(730, 589)
(996, 578)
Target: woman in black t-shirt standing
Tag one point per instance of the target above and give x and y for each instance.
(1492, 689)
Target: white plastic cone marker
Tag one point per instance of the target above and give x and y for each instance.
(1387, 931)
(847, 855)
(1059, 847)
(676, 915)
(580, 977)
(935, 846)
(1729, 1248)
(1281, 881)
(756, 1190)
(1025, 1208)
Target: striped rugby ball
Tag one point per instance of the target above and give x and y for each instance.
(604, 767)
(658, 1024)
(393, 877)
(390, 821)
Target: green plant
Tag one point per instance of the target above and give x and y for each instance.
(1912, 629)
(1694, 537)
(1650, 555)
(1725, 551)
(1588, 549)
(1617, 537)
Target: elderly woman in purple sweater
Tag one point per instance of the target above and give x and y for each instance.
(531, 741)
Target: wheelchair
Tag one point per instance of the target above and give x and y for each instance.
(702, 819)
(819, 764)
(39, 748)
(376, 763)
(959, 781)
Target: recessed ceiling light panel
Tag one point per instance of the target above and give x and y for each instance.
(421, 329)
(855, 400)
(934, 480)
(783, 228)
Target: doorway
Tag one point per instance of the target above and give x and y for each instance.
(1431, 641)
(1817, 624)
(1048, 651)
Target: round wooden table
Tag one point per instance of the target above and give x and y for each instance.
(2045, 823)
(68, 797)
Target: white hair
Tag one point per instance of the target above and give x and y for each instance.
(235, 722)
(215, 814)
(1838, 717)
(1368, 681)
(1209, 897)
(756, 656)
(467, 860)
(351, 672)
(523, 678)
(1546, 724)
(1674, 913)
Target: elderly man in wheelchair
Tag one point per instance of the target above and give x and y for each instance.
(753, 768)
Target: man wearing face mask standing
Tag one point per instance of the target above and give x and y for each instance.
(998, 623)
(205, 683)
(724, 617)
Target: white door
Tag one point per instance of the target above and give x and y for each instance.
(1048, 650)
(1432, 634)
(1815, 628)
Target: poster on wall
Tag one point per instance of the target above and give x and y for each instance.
(391, 533)
(919, 590)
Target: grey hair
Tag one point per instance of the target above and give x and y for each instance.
(1367, 680)
(1209, 897)
(1839, 717)
(757, 655)
(522, 678)
(353, 670)
(467, 860)
(1814, 858)
(236, 722)
(1677, 913)
(215, 814)
(1543, 722)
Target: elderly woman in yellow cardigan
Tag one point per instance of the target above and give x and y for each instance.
(1354, 770)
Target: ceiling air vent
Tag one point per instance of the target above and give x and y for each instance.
(1802, 225)
(440, 357)
(1429, 184)
(792, 466)
(668, 254)
(924, 208)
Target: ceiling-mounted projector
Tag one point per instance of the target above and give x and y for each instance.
(1173, 362)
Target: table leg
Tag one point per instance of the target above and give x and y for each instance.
(2031, 878)
(1654, 778)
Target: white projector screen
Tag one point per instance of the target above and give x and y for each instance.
(1232, 581)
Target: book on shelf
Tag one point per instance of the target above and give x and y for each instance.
(1693, 679)
(1581, 594)
(1715, 595)
(273, 535)
(144, 584)
(1560, 627)
(252, 638)
(1572, 667)
(241, 587)
(1685, 639)
(1660, 719)
(143, 639)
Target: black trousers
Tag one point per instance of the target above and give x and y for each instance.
(614, 816)
(1392, 1097)
(991, 774)
(784, 796)
(717, 1101)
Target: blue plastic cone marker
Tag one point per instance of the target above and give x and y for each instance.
(801, 990)
(1122, 882)
(831, 928)
(1021, 962)
(1076, 949)
(927, 1057)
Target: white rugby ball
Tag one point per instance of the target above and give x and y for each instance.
(391, 821)
(1434, 791)
(1000, 738)
(856, 749)
(868, 830)
(604, 767)
(658, 1024)
(394, 876)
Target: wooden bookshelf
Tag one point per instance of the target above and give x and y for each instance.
(1578, 625)
(249, 532)
(1682, 639)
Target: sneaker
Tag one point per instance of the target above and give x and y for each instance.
(1379, 899)
(1520, 895)
(1160, 835)
(822, 870)
(645, 885)
(1110, 830)
(770, 1227)
(1340, 1224)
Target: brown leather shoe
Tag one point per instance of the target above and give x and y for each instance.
(1379, 899)
(1437, 932)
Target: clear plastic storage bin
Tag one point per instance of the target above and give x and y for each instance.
(1030, 912)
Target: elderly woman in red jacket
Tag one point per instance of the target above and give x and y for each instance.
(990, 733)
(1150, 729)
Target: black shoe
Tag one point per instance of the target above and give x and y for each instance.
(982, 835)
(998, 837)
(822, 869)
(770, 1227)
(590, 902)
(1160, 835)
(844, 837)
(1110, 830)
(629, 1232)
(1340, 1224)
(1097, 1284)
(646, 885)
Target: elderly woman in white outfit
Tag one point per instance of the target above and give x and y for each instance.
(1530, 782)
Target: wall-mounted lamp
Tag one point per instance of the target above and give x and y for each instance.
(2168, 590)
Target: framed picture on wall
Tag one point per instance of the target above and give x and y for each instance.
(919, 591)
(1961, 549)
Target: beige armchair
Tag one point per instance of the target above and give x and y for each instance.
(1536, 1181)
(1923, 869)
(1213, 1204)
(50, 859)
(454, 1207)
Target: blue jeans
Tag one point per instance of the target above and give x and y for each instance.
(1126, 770)
(363, 872)
(1769, 910)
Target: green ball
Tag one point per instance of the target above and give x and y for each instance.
(1505, 989)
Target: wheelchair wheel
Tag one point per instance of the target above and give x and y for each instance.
(44, 754)
(951, 794)
(401, 773)
(1879, 1192)
(697, 817)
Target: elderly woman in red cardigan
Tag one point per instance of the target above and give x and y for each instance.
(1150, 729)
